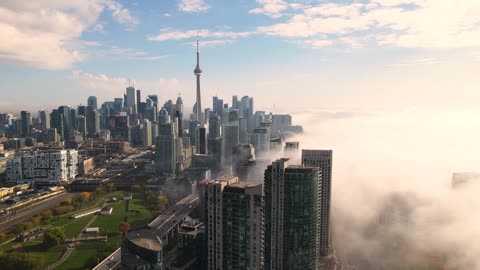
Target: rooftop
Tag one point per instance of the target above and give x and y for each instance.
(146, 237)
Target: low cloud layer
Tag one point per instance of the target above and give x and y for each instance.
(410, 155)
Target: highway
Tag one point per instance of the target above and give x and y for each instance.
(164, 222)
(173, 215)
(34, 209)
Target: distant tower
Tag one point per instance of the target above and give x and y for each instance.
(131, 101)
(198, 73)
(166, 156)
(179, 114)
(92, 102)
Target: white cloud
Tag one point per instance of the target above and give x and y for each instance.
(191, 6)
(275, 8)
(416, 62)
(399, 23)
(317, 43)
(99, 28)
(168, 34)
(121, 14)
(40, 33)
(212, 43)
(271, 8)
(130, 53)
(104, 83)
(99, 82)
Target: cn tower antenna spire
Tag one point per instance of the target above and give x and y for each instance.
(198, 72)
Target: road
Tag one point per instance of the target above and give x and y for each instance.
(173, 215)
(164, 222)
(32, 210)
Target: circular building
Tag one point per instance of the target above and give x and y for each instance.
(142, 249)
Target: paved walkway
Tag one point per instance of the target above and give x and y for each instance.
(70, 250)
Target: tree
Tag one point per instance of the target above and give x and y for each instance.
(84, 196)
(124, 227)
(21, 261)
(54, 236)
(162, 202)
(111, 187)
(3, 237)
(68, 200)
(47, 214)
(36, 220)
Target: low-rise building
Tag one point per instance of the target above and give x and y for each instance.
(106, 211)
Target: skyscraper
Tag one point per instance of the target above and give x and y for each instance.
(146, 133)
(163, 117)
(179, 115)
(82, 124)
(230, 136)
(118, 104)
(214, 137)
(234, 217)
(131, 101)
(139, 96)
(198, 73)
(235, 103)
(201, 140)
(92, 102)
(243, 161)
(217, 105)
(243, 245)
(322, 159)
(246, 111)
(26, 123)
(93, 121)
(260, 138)
(291, 216)
(166, 149)
(44, 120)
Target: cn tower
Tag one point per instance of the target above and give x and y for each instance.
(198, 73)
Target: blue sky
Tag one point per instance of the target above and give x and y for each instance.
(294, 54)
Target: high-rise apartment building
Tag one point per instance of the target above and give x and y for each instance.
(291, 216)
(234, 219)
(322, 159)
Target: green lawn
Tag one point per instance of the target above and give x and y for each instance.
(48, 256)
(73, 228)
(80, 259)
(87, 253)
(138, 215)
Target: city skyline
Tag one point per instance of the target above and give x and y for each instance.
(401, 63)
(261, 134)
